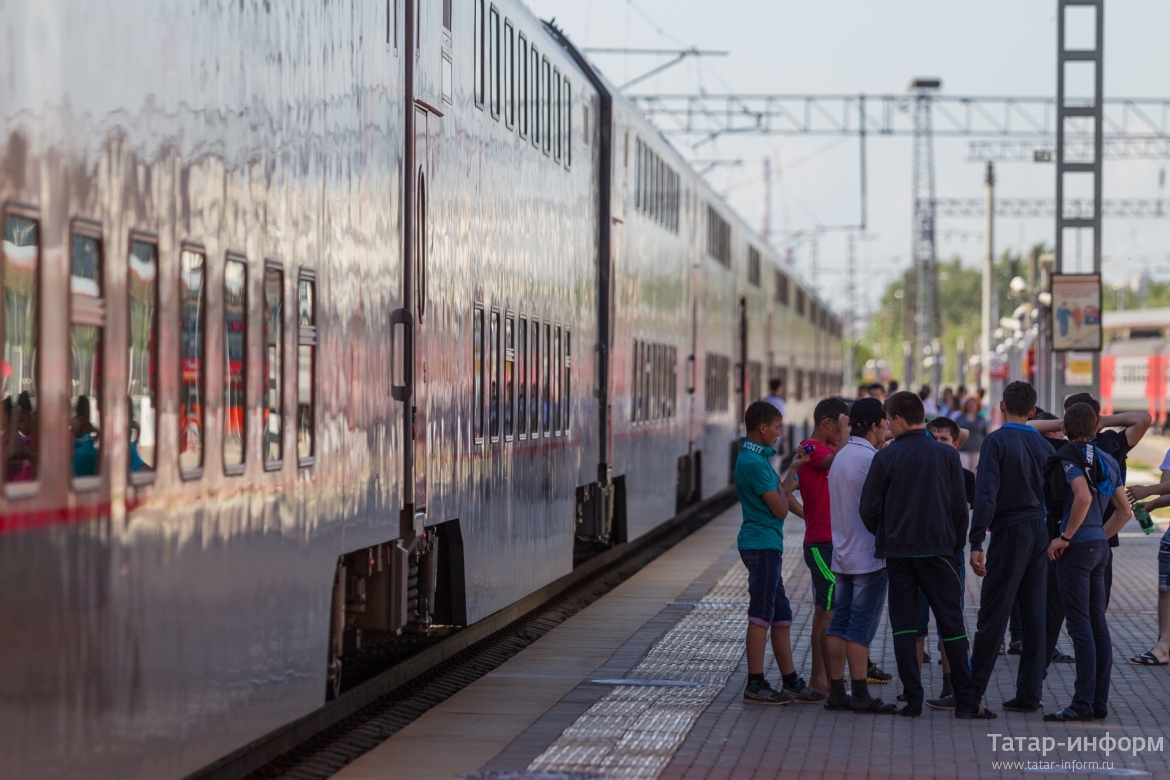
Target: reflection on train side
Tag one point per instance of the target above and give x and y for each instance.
(21, 270)
(142, 286)
(87, 314)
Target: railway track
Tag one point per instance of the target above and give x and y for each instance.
(323, 742)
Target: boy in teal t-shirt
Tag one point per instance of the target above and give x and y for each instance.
(761, 545)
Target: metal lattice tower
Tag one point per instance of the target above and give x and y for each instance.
(927, 318)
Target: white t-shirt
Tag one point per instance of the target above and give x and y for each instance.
(776, 401)
(853, 544)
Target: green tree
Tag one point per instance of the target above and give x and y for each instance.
(960, 301)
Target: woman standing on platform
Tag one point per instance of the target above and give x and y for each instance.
(976, 427)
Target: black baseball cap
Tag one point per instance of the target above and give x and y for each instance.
(866, 411)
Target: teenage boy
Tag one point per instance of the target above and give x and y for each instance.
(946, 431)
(1009, 501)
(831, 427)
(861, 577)
(761, 547)
(1159, 655)
(1081, 553)
(913, 502)
(1116, 444)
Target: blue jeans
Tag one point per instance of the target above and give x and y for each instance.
(858, 607)
(1082, 588)
(768, 603)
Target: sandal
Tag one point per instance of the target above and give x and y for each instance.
(983, 713)
(839, 706)
(1148, 659)
(876, 707)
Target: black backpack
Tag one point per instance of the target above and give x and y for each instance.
(1056, 487)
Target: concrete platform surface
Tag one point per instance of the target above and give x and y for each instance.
(677, 627)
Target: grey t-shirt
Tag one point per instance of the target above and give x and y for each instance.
(853, 544)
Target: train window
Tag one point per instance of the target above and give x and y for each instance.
(800, 301)
(635, 387)
(568, 398)
(755, 379)
(556, 379)
(754, 266)
(557, 110)
(494, 60)
(567, 113)
(673, 377)
(273, 434)
(546, 87)
(717, 375)
(87, 324)
(546, 393)
(21, 341)
(522, 86)
(509, 74)
(718, 237)
(306, 365)
(392, 25)
(477, 371)
(235, 361)
(654, 377)
(191, 350)
(509, 375)
(780, 294)
(493, 380)
(534, 88)
(641, 200)
(798, 385)
(447, 14)
(534, 381)
(142, 287)
(478, 35)
(522, 378)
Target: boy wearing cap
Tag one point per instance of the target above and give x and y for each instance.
(860, 577)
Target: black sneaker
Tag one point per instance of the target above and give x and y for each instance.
(762, 693)
(1015, 648)
(875, 676)
(1015, 705)
(1062, 658)
(1100, 711)
(942, 703)
(802, 694)
(1068, 714)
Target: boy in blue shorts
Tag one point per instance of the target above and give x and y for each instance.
(761, 547)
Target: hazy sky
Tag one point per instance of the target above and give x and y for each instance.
(990, 47)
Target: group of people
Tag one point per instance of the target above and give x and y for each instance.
(889, 508)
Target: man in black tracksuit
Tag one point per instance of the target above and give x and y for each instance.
(915, 504)
(1009, 499)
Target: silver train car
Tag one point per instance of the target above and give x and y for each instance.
(329, 322)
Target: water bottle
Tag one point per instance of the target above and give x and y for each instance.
(1143, 516)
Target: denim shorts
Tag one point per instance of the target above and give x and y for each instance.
(817, 556)
(1164, 563)
(768, 605)
(858, 607)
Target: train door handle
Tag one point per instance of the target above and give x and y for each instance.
(405, 369)
(690, 374)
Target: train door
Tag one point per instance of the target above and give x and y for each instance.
(423, 93)
(423, 119)
(741, 364)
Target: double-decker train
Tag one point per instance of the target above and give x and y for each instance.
(323, 322)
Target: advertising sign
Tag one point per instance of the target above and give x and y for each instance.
(1076, 312)
(1078, 369)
